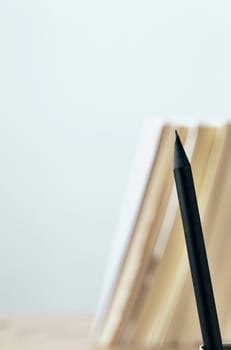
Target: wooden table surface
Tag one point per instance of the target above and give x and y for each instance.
(30, 332)
(39, 332)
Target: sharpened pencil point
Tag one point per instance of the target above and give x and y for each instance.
(180, 157)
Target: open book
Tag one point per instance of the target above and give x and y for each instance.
(148, 298)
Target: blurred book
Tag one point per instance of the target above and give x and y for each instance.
(148, 297)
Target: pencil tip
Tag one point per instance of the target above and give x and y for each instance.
(180, 158)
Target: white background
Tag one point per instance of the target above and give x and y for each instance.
(77, 79)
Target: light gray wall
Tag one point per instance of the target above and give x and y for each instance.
(77, 78)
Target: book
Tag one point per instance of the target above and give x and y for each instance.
(148, 298)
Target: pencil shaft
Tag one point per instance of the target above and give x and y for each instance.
(197, 254)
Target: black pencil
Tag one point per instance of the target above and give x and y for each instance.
(196, 249)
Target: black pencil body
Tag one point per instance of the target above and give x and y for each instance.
(196, 250)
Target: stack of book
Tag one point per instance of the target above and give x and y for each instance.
(149, 297)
